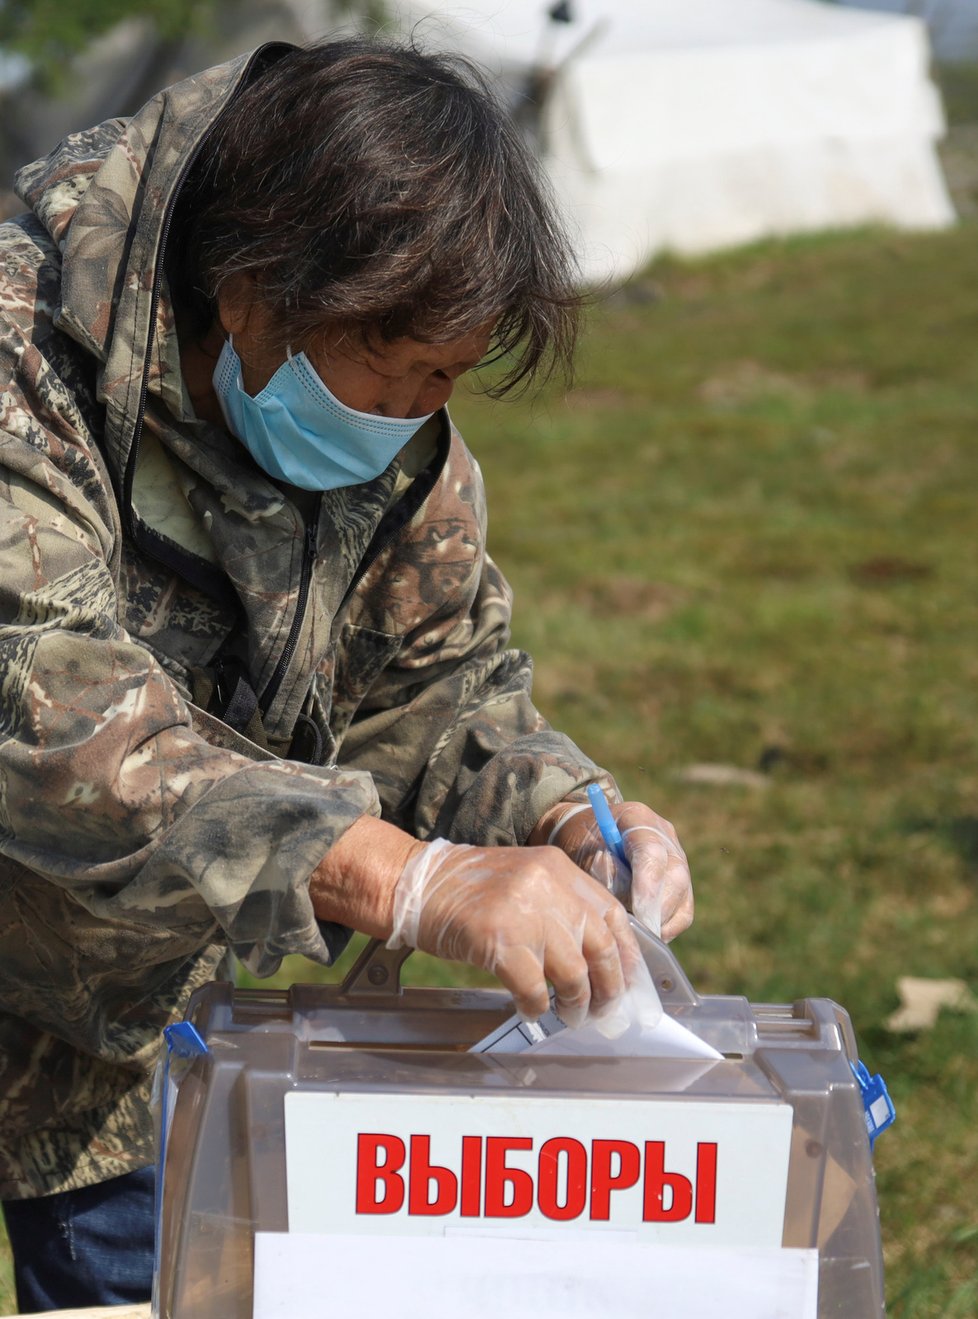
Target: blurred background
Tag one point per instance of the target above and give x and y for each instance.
(742, 541)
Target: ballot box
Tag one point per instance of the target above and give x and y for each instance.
(324, 1131)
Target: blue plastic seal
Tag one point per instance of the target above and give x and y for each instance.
(877, 1104)
(184, 1040)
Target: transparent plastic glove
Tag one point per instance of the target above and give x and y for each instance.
(528, 916)
(656, 885)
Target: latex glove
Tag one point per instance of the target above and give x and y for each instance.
(527, 915)
(658, 887)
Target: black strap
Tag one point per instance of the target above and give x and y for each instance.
(225, 691)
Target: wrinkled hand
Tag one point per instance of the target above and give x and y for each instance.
(528, 915)
(659, 889)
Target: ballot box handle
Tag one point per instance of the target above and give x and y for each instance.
(670, 980)
(378, 969)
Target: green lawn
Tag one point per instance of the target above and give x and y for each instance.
(747, 537)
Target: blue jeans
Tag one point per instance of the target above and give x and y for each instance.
(93, 1246)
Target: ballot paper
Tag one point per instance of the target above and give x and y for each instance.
(480, 1277)
(666, 1039)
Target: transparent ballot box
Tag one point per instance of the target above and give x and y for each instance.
(330, 1112)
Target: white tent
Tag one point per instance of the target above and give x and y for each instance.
(691, 125)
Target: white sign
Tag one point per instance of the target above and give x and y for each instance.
(682, 1172)
(579, 1277)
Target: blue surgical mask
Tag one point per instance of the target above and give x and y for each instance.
(298, 431)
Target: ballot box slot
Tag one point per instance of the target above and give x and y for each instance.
(389, 1046)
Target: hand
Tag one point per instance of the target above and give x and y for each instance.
(659, 889)
(528, 915)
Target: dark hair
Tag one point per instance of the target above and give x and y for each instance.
(377, 187)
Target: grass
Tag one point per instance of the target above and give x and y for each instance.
(746, 537)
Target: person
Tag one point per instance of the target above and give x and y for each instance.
(257, 684)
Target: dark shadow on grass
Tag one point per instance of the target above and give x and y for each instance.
(960, 833)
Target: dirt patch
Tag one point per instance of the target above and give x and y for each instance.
(627, 596)
(888, 570)
(743, 382)
(595, 400)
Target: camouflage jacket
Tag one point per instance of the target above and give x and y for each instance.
(146, 564)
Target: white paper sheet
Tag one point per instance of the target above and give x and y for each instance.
(668, 1039)
(299, 1276)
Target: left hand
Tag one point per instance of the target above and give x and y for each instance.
(659, 889)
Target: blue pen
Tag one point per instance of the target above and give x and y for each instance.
(606, 822)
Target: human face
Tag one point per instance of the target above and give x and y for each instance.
(399, 378)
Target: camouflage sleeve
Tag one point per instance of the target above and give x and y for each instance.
(449, 730)
(106, 790)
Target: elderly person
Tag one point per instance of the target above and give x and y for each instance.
(256, 684)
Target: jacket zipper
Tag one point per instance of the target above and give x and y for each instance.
(310, 552)
(373, 553)
(397, 518)
(382, 541)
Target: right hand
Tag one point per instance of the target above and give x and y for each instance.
(655, 884)
(527, 915)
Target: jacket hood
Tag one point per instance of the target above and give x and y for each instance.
(105, 195)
